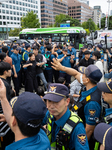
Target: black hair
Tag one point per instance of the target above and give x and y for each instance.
(49, 47)
(97, 54)
(2, 56)
(61, 80)
(35, 47)
(31, 54)
(60, 46)
(4, 66)
(5, 49)
(40, 91)
(28, 130)
(46, 43)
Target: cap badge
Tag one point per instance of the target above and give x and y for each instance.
(52, 89)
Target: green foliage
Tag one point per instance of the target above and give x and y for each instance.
(14, 32)
(30, 20)
(63, 18)
(87, 31)
(89, 25)
(103, 22)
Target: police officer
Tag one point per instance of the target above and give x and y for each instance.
(106, 88)
(16, 61)
(99, 48)
(88, 106)
(65, 129)
(25, 119)
(66, 61)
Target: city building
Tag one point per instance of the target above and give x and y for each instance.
(51, 8)
(97, 14)
(103, 15)
(11, 12)
(79, 9)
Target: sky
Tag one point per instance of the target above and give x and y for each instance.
(102, 3)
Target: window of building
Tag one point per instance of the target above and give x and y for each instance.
(0, 17)
(3, 17)
(3, 5)
(73, 7)
(0, 22)
(28, 0)
(23, 4)
(10, 12)
(20, 3)
(78, 6)
(7, 11)
(14, 18)
(4, 23)
(10, 1)
(11, 22)
(17, 8)
(7, 17)
(21, 13)
(6, 6)
(23, 9)
(10, 6)
(36, 7)
(3, 11)
(14, 13)
(17, 13)
(20, 8)
(69, 7)
(14, 2)
(0, 10)
(78, 13)
(36, 2)
(11, 18)
(28, 5)
(17, 18)
(14, 7)
(7, 22)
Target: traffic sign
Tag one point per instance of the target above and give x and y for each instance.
(65, 25)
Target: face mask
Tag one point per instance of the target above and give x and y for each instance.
(81, 80)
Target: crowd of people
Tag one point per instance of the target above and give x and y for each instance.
(53, 112)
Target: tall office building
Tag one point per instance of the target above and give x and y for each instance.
(79, 9)
(12, 11)
(51, 8)
(97, 14)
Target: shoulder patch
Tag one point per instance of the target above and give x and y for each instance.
(92, 112)
(81, 138)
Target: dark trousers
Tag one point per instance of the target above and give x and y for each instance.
(66, 76)
(7, 139)
(49, 75)
(31, 84)
(17, 82)
(56, 75)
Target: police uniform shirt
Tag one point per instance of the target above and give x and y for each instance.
(16, 61)
(92, 109)
(108, 111)
(37, 142)
(72, 52)
(26, 55)
(65, 62)
(76, 140)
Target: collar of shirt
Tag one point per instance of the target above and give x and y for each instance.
(24, 142)
(86, 93)
(60, 122)
(108, 111)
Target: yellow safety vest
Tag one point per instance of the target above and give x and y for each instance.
(67, 127)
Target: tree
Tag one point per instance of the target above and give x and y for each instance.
(30, 20)
(89, 25)
(63, 18)
(103, 22)
(14, 32)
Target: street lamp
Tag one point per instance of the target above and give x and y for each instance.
(109, 1)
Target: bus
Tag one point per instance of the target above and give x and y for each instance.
(75, 35)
